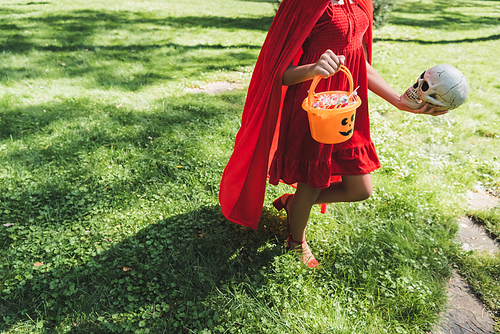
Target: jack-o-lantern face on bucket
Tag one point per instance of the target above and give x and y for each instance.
(345, 122)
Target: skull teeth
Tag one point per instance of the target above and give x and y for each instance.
(411, 94)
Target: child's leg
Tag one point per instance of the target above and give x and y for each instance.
(353, 188)
(300, 207)
(298, 211)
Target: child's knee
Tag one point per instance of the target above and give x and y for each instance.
(362, 193)
(365, 194)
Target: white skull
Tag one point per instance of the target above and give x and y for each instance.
(441, 85)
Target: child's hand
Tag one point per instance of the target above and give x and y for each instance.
(427, 109)
(328, 64)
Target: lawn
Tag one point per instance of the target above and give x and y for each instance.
(109, 176)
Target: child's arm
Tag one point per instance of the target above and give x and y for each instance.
(327, 65)
(378, 85)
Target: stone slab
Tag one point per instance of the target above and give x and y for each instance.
(480, 199)
(467, 313)
(475, 237)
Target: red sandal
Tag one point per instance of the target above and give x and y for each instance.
(281, 203)
(297, 248)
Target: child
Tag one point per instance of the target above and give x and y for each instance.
(274, 139)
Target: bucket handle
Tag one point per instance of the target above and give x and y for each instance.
(319, 77)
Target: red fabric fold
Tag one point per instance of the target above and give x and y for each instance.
(243, 183)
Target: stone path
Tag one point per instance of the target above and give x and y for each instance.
(467, 313)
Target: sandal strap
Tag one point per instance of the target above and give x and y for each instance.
(295, 241)
(293, 244)
(312, 262)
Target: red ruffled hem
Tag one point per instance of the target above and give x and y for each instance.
(318, 174)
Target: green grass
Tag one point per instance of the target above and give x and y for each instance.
(109, 176)
(490, 218)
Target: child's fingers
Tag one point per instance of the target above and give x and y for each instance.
(323, 72)
(434, 112)
(334, 60)
(324, 67)
(333, 66)
(430, 109)
(424, 109)
(416, 111)
(328, 64)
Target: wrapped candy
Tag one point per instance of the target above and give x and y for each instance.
(333, 101)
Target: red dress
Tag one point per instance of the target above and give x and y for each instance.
(299, 158)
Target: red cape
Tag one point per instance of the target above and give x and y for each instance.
(243, 183)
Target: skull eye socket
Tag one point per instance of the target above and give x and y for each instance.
(425, 86)
(422, 75)
(344, 121)
(415, 85)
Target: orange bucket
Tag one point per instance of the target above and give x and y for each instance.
(331, 125)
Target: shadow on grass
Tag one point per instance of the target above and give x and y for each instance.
(419, 41)
(81, 139)
(74, 28)
(439, 16)
(167, 271)
(31, 3)
(118, 65)
(98, 69)
(119, 123)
